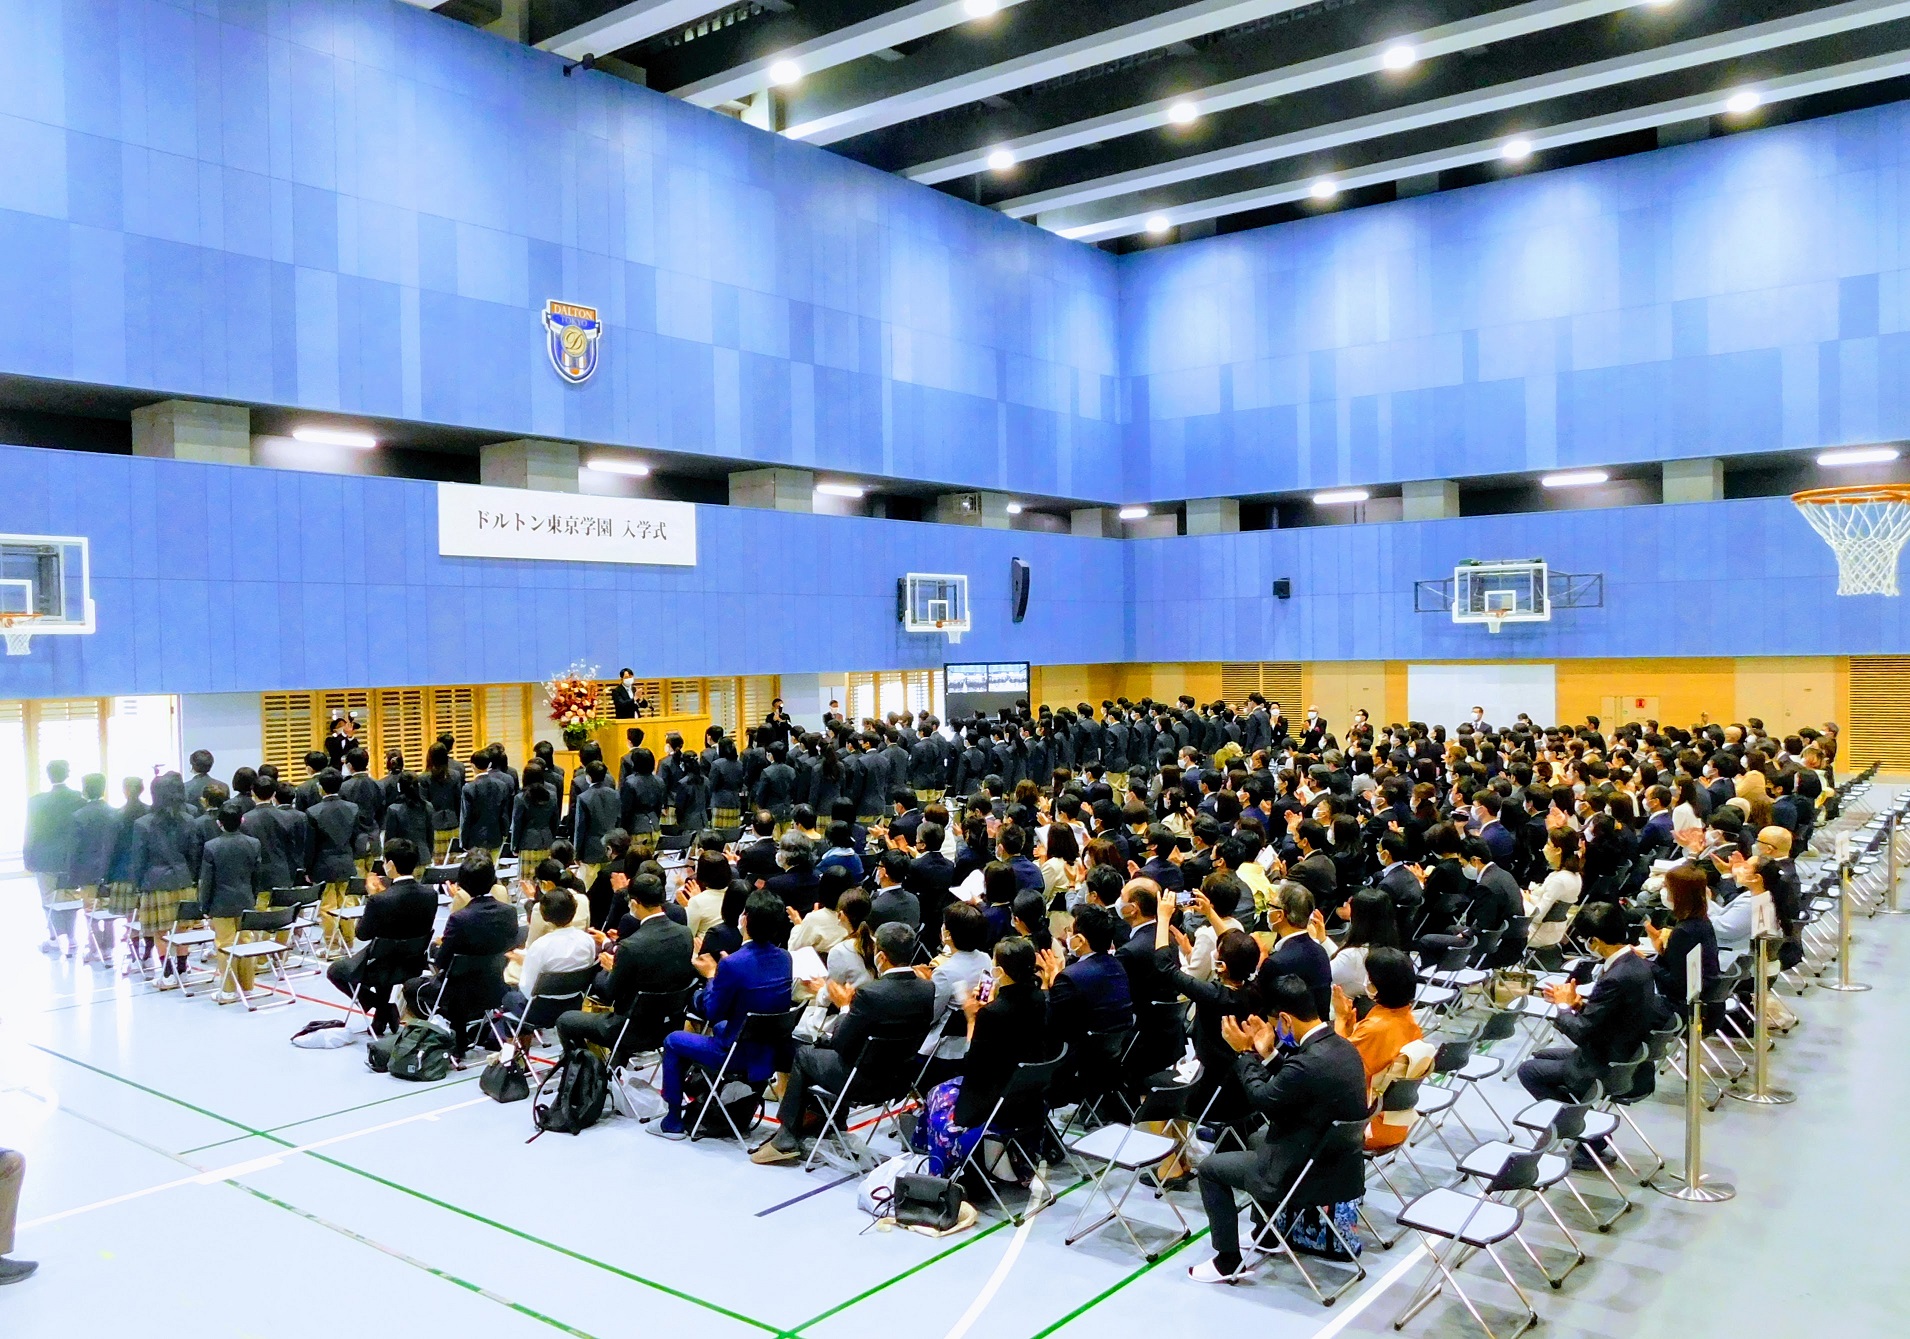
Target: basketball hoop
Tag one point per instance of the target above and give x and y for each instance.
(1865, 526)
(1494, 620)
(18, 643)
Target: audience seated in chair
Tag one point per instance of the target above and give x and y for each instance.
(468, 963)
(392, 936)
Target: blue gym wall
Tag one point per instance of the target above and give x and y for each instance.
(1737, 295)
(213, 578)
(1744, 578)
(357, 205)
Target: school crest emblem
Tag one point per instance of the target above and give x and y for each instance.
(572, 333)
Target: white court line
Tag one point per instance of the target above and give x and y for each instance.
(1367, 1298)
(995, 1280)
(232, 1171)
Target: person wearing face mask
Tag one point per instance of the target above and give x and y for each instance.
(1479, 726)
(1007, 1025)
(623, 696)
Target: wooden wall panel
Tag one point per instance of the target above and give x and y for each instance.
(1786, 692)
(1339, 687)
(1878, 729)
(1676, 692)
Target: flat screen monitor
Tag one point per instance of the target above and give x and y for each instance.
(983, 688)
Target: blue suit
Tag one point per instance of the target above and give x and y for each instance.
(753, 980)
(1499, 840)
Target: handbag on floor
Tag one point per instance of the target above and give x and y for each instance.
(507, 1078)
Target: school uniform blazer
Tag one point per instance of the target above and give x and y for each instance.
(229, 875)
(328, 850)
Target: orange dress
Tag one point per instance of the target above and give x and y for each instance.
(1379, 1038)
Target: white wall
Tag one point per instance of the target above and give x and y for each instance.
(228, 724)
(1446, 694)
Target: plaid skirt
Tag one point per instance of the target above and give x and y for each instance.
(159, 908)
(122, 899)
(643, 844)
(726, 818)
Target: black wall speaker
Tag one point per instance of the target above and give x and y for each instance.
(1283, 589)
(1018, 575)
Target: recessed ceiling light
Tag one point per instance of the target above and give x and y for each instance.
(1182, 112)
(1399, 56)
(1134, 513)
(1000, 160)
(636, 469)
(358, 441)
(1742, 101)
(1159, 224)
(841, 490)
(980, 9)
(1324, 189)
(1340, 495)
(1014, 509)
(784, 72)
(1517, 150)
(1868, 455)
(1575, 479)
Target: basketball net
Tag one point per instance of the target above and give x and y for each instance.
(1866, 527)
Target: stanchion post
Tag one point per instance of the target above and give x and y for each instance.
(1762, 1093)
(1892, 867)
(1694, 1187)
(1843, 983)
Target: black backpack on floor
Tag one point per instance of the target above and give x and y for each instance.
(571, 1098)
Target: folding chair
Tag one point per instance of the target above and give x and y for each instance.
(1469, 1223)
(1401, 1095)
(883, 1076)
(307, 937)
(1127, 1148)
(267, 951)
(654, 1015)
(1025, 1092)
(1341, 1139)
(198, 937)
(1097, 1075)
(1516, 1175)
(1449, 1061)
(556, 993)
(1500, 1025)
(102, 932)
(767, 1029)
(389, 962)
(1598, 1126)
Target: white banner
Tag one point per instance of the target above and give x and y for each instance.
(479, 522)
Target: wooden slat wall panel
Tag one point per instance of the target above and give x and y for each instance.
(291, 730)
(1879, 729)
(456, 710)
(1277, 680)
(505, 720)
(758, 691)
(401, 721)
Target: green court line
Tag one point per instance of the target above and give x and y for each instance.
(362, 1106)
(339, 1228)
(429, 1199)
(1103, 1296)
(913, 1270)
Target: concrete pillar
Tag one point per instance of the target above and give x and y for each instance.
(1096, 522)
(777, 488)
(1213, 516)
(988, 510)
(1694, 480)
(530, 462)
(213, 434)
(1429, 500)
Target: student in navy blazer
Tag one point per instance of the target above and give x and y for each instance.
(1091, 994)
(753, 980)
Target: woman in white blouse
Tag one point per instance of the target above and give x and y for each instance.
(1371, 924)
(1562, 885)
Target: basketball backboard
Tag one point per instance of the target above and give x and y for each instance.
(935, 602)
(46, 588)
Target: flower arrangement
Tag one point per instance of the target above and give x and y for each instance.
(572, 695)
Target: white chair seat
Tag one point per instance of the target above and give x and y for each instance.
(1124, 1146)
(74, 905)
(1479, 1067)
(1487, 1160)
(1533, 1006)
(263, 948)
(1598, 1124)
(1432, 997)
(1433, 1099)
(1461, 1217)
(350, 913)
(191, 938)
(1466, 978)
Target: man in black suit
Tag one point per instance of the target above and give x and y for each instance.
(368, 793)
(1295, 952)
(281, 850)
(1314, 870)
(1315, 1081)
(898, 1004)
(1605, 1026)
(623, 698)
(487, 797)
(653, 958)
(893, 902)
(94, 831)
(48, 852)
(1150, 960)
(931, 874)
(392, 935)
(469, 959)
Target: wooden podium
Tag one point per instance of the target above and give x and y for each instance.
(612, 739)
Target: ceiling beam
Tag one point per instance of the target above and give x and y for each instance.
(1677, 56)
(1519, 21)
(625, 25)
(1128, 39)
(1809, 83)
(924, 18)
